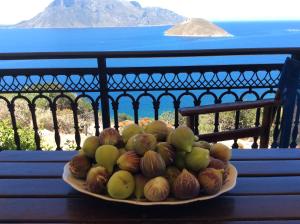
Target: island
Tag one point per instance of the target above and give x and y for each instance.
(196, 27)
(100, 13)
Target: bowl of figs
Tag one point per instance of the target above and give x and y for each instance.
(151, 165)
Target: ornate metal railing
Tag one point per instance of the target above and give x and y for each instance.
(106, 86)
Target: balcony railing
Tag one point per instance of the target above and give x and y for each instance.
(105, 82)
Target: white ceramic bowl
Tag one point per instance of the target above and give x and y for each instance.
(79, 185)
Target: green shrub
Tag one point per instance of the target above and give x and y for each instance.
(169, 117)
(124, 117)
(7, 141)
(227, 120)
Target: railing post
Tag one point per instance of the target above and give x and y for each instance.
(296, 56)
(104, 92)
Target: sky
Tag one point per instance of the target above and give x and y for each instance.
(14, 11)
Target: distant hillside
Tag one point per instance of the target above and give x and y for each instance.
(197, 27)
(100, 13)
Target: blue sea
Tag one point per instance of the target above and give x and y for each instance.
(245, 35)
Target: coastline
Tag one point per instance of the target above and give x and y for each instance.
(208, 36)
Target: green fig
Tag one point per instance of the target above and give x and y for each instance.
(110, 136)
(186, 186)
(122, 151)
(107, 156)
(90, 145)
(221, 151)
(130, 131)
(169, 137)
(211, 180)
(182, 138)
(202, 144)
(152, 165)
(129, 144)
(159, 129)
(142, 143)
(167, 152)
(140, 182)
(197, 159)
(157, 189)
(180, 160)
(121, 185)
(79, 166)
(129, 161)
(96, 179)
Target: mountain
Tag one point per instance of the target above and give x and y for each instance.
(99, 13)
(197, 27)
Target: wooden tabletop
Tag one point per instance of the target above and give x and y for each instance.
(267, 191)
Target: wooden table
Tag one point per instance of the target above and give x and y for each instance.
(267, 191)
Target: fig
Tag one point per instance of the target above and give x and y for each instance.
(152, 165)
(197, 159)
(159, 129)
(121, 185)
(186, 186)
(202, 144)
(157, 189)
(129, 161)
(172, 173)
(140, 182)
(142, 143)
(169, 137)
(79, 166)
(110, 136)
(129, 144)
(106, 156)
(211, 180)
(180, 160)
(182, 138)
(96, 179)
(90, 145)
(221, 151)
(167, 152)
(169, 130)
(216, 163)
(130, 131)
(122, 151)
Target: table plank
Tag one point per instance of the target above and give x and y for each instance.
(64, 156)
(266, 154)
(239, 208)
(268, 168)
(215, 222)
(55, 169)
(55, 188)
(36, 188)
(36, 156)
(209, 222)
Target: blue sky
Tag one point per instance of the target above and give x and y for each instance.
(14, 11)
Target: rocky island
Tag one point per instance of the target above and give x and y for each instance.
(100, 13)
(197, 28)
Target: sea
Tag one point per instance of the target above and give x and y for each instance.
(258, 34)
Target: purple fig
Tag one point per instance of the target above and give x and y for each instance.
(110, 136)
(167, 152)
(211, 180)
(129, 161)
(157, 189)
(79, 166)
(186, 186)
(152, 164)
(96, 179)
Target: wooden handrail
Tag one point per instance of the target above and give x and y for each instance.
(148, 54)
(214, 108)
